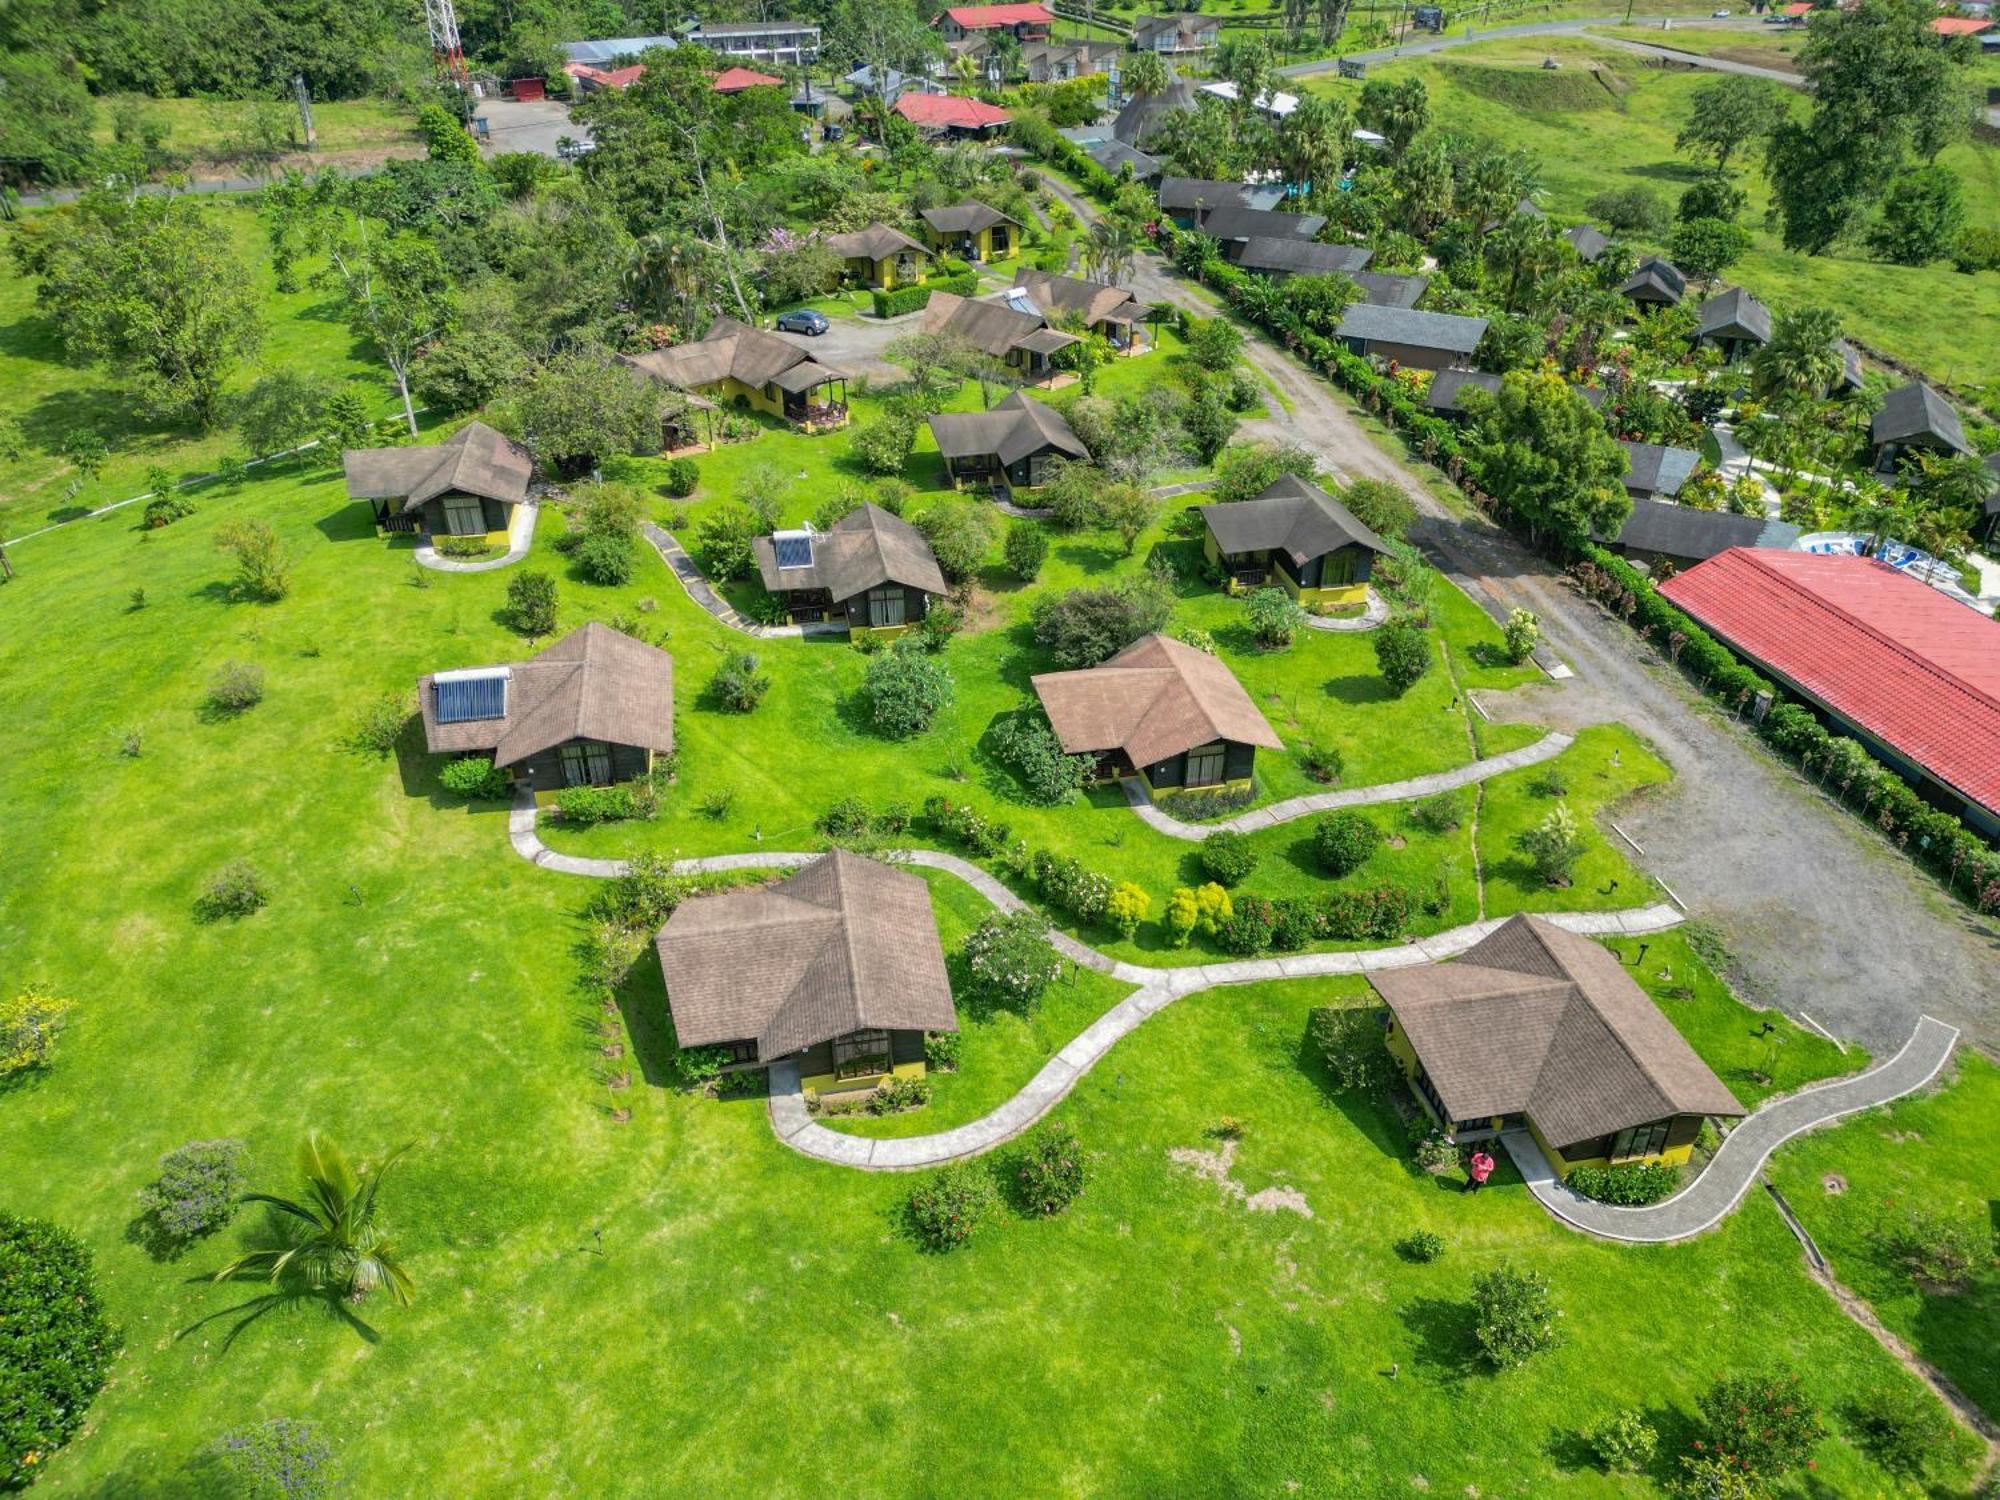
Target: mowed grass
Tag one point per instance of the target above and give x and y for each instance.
(1593, 139)
(679, 1304)
(209, 130)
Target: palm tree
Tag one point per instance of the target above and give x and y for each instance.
(1110, 250)
(336, 1243)
(1146, 73)
(1803, 357)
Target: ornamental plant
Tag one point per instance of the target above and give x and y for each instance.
(1624, 1442)
(531, 604)
(276, 1460)
(1343, 841)
(29, 1025)
(1421, 1246)
(1227, 857)
(1009, 962)
(1403, 653)
(475, 777)
(1513, 1315)
(1050, 1174)
(946, 1209)
(1181, 915)
(1523, 632)
(1629, 1184)
(906, 689)
(1766, 1422)
(56, 1345)
(236, 890)
(1553, 846)
(740, 684)
(196, 1192)
(1275, 617)
(1127, 907)
(1903, 1428)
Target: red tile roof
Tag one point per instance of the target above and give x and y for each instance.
(946, 110)
(1799, 8)
(1959, 25)
(1885, 651)
(735, 80)
(984, 17)
(614, 78)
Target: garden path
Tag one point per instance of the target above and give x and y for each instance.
(1737, 1162)
(520, 537)
(1376, 612)
(703, 592)
(1546, 748)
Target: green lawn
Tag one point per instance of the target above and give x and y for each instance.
(209, 130)
(586, 1288)
(1590, 138)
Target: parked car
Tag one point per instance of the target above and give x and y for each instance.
(803, 320)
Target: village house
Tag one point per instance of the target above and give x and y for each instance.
(951, 116)
(1588, 241)
(1734, 323)
(871, 571)
(468, 485)
(1012, 332)
(1658, 531)
(1026, 23)
(1293, 534)
(1016, 443)
(881, 256)
(1179, 35)
(1282, 256)
(1111, 312)
(1914, 418)
(972, 231)
(1654, 283)
(835, 973)
(739, 365)
(1655, 471)
(1404, 336)
(592, 709)
(1161, 711)
(1540, 1031)
(792, 44)
(1233, 227)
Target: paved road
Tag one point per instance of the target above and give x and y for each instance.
(1822, 917)
(536, 126)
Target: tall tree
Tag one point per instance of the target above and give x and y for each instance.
(1803, 358)
(1146, 73)
(1547, 455)
(1921, 217)
(884, 36)
(399, 296)
(1312, 145)
(1727, 115)
(1399, 110)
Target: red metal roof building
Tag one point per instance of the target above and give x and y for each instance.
(736, 80)
(1960, 26)
(1913, 674)
(589, 78)
(949, 112)
(994, 17)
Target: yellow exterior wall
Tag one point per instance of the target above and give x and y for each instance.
(1242, 783)
(881, 633)
(1673, 1156)
(729, 388)
(1339, 594)
(828, 1083)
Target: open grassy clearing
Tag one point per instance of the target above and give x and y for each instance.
(1591, 138)
(412, 979)
(211, 130)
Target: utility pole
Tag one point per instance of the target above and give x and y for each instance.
(305, 110)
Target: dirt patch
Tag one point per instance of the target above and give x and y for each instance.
(1396, 841)
(1834, 1183)
(1215, 1165)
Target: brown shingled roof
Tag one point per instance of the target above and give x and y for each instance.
(1093, 301)
(1152, 700)
(968, 217)
(865, 548)
(593, 684)
(1010, 431)
(1289, 513)
(475, 460)
(1540, 1021)
(990, 327)
(843, 945)
(878, 241)
(735, 349)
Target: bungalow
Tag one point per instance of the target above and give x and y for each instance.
(835, 973)
(947, 114)
(1008, 331)
(1539, 1030)
(1280, 256)
(1446, 395)
(1108, 311)
(1658, 531)
(1655, 283)
(1588, 241)
(1734, 322)
(881, 256)
(746, 366)
(1914, 418)
(468, 485)
(972, 231)
(791, 43)
(1061, 62)
(736, 80)
(1177, 35)
(1114, 155)
(1028, 23)
(1233, 228)
(872, 570)
(591, 709)
(1174, 717)
(1188, 200)
(1389, 291)
(1656, 472)
(1144, 115)
(1013, 443)
(1420, 340)
(1297, 535)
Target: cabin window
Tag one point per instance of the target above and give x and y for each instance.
(1641, 1140)
(860, 1053)
(999, 239)
(465, 515)
(886, 606)
(586, 763)
(1205, 766)
(1336, 569)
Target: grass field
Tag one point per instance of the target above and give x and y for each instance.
(211, 131)
(678, 1304)
(1592, 136)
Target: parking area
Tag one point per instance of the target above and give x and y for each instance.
(514, 126)
(856, 345)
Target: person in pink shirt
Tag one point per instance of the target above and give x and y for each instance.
(1478, 1170)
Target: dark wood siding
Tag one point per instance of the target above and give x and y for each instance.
(906, 1047)
(1239, 762)
(915, 602)
(498, 514)
(627, 763)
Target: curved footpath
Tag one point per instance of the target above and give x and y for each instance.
(1742, 1155)
(520, 537)
(1548, 747)
(1376, 612)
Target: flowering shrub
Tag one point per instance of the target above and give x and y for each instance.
(196, 1191)
(948, 1207)
(1127, 907)
(1050, 1173)
(1625, 1441)
(1009, 962)
(1765, 1422)
(1513, 1316)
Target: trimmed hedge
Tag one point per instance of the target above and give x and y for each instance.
(909, 299)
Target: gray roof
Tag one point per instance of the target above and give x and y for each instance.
(1186, 194)
(1111, 155)
(1448, 386)
(1850, 364)
(1682, 531)
(1734, 314)
(1153, 700)
(610, 49)
(1539, 1021)
(1405, 325)
(1186, 20)
(968, 217)
(751, 28)
(1662, 277)
(1145, 113)
(844, 945)
(1658, 470)
(733, 349)
(1266, 252)
(1093, 301)
(1230, 222)
(1289, 515)
(475, 460)
(1917, 411)
(878, 241)
(1389, 291)
(1010, 431)
(991, 327)
(593, 684)
(1588, 241)
(864, 549)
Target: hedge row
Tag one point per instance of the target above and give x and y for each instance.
(909, 299)
(1967, 862)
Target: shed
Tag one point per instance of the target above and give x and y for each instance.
(1655, 471)
(1294, 534)
(1420, 340)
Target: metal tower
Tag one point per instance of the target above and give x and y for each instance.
(442, 20)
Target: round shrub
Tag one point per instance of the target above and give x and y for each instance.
(1422, 1246)
(1624, 1442)
(1249, 928)
(1027, 746)
(1342, 842)
(1051, 1172)
(1629, 1184)
(942, 1050)
(606, 558)
(236, 890)
(1766, 1422)
(1009, 962)
(276, 1460)
(1024, 550)
(1523, 632)
(1274, 617)
(1227, 858)
(55, 1343)
(196, 1192)
(739, 683)
(906, 689)
(1323, 763)
(845, 819)
(947, 1208)
(683, 474)
(475, 777)
(1439, 814)
(1403, 653)
(235, 687)
(1513, 1316)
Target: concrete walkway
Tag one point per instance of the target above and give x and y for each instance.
(1742, 1155)
(699, 589)
(1548, 747)
(520, 537)
(1376, 612)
